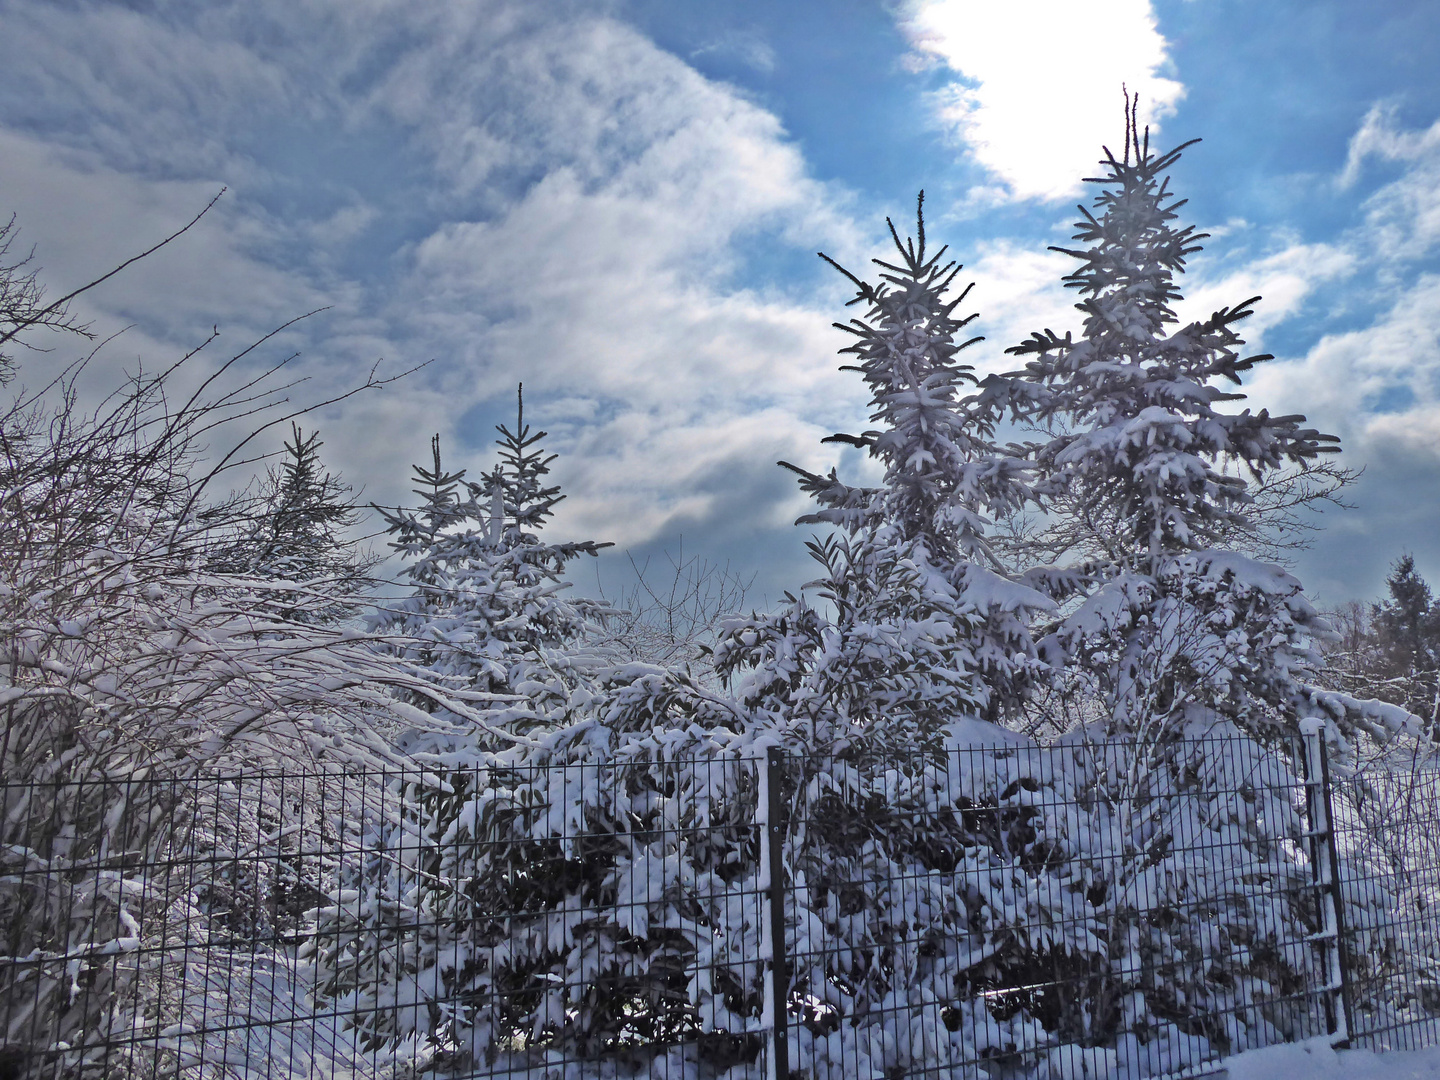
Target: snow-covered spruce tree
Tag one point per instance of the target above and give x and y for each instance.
(922, 630)
(1407, 644)
(904, 839)
(488, 623)
(1167, 636)
(1171, 620)
(297, 532)
(485, 614)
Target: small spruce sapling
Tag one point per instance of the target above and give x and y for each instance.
(487, 621)
(295, 531)
(486, 616)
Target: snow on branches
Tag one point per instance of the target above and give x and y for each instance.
(920, 630)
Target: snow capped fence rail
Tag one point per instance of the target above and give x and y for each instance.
(1086, 908)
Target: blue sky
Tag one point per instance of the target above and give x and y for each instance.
(619, 203)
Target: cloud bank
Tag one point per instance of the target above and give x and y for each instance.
(521, 195)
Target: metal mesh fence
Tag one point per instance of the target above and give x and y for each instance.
(1087, 908)
(1387, 832)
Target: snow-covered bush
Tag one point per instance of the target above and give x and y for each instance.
(567, 903)
(596, 906)
(1051, 909)
(131, 654)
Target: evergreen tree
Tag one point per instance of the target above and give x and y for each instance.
(1407, 643)
(486, 617)
(923, 632)
(296, 532)
(591, 893)
(1166, 635)
(1138, 433)
(486, 620)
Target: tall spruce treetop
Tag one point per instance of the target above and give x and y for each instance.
(922, 632)
(1173, 632)
(942, 474)
(1139, 420)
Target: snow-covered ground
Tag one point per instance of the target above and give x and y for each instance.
(1313, 1060)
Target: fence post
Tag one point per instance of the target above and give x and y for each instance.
(777, 987)
(1325, 880)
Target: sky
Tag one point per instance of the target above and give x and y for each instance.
(619, 204)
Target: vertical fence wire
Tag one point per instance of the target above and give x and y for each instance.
(772, 820)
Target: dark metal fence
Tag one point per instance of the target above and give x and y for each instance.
(1387, 834)
(1088, 908)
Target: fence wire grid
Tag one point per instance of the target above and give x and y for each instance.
(1081, 909)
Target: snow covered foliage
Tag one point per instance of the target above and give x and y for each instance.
(486, 619)
(586, 899)
(1387, 815)
(297, 531)
(598, 893)
(1070, 910)
(597, 906)
(127, 655)
(152, 938)
(920, 629)
(124, 647)
(1163, 628)
(1397, 656)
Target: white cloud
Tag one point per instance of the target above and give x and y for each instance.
(575, 209)
(1377, 384)
(1403, 216)
(1039, 86)
(1284, 279)
(1017, 292)
(1378, 388)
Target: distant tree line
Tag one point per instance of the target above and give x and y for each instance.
(1391, 649)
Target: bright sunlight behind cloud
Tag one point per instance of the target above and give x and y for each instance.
(1031, 111)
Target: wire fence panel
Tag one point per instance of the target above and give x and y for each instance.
(153, 926)
(1082, 909)
(579, 920)
(1387, 826)
(1088, 908)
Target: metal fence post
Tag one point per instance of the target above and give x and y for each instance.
(1325, 880)
(777, 988)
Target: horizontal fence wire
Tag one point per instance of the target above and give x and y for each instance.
(1012, 910)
